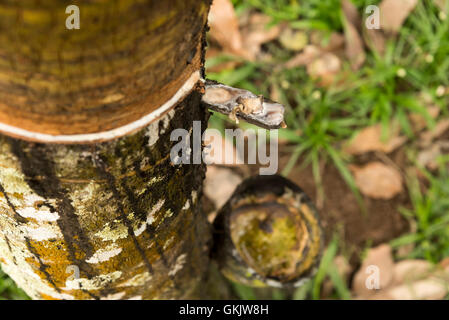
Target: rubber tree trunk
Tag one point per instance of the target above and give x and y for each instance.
(90, 204)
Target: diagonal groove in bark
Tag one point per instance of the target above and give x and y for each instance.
(50, 187)
(150, 231)
(103, 171)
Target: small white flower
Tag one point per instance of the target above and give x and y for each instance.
(440, 91)
(401, 73)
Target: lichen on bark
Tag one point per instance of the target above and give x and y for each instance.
(119, 211)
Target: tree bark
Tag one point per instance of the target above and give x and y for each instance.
(90, 204)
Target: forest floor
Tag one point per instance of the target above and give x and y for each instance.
(367, 136)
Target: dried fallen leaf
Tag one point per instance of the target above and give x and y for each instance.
(393, 13)
(354, 44)
(336, 42)
(411, 279)
(419, 122)
(405, 250)
(224, 27)
(377, 180)
(428, 289)
(442, 4)
(332, 43)
(427, 157)
(444, 264)
(370, 139)
(343, 269)
(351, 13)
(320, 57)
(378, 259)
(255, 33)
(428, 136)
(310, 53)
(406, 271)
(219, 184)
(375, 40)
